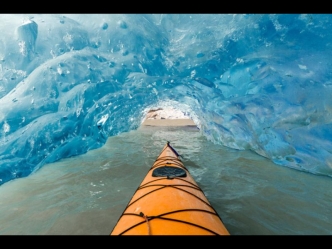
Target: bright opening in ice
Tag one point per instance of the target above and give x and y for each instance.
(166, 113)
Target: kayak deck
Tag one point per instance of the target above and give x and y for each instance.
(169, 202)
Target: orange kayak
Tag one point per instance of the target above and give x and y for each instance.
(169, 202)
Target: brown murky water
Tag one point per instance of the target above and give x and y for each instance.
(85, 195)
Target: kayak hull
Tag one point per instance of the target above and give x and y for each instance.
(169, 202)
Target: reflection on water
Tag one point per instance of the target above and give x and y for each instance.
(85, 195)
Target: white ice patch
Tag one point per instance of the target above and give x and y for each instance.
(23, 49)
(193, 73)
(59, 70)
(154, 90)
(240, 60)
(142, 69)
(303, 67)
(6, 127)
(102, 120)
(78, 112)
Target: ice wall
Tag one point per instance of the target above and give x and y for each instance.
(257, 82)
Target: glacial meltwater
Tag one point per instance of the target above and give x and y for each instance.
(85, 195)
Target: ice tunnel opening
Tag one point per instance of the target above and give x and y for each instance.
(166, 114)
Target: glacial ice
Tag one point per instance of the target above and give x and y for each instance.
(260, 82)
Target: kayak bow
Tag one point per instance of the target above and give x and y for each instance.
(169, 202)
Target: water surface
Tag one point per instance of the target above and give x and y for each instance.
(85, 195)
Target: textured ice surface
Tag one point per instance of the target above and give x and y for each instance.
(256, 82)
